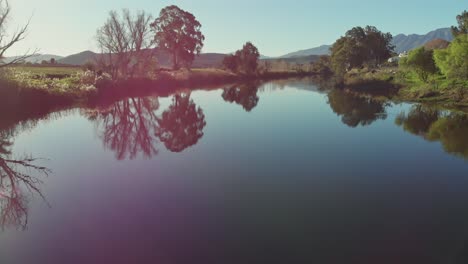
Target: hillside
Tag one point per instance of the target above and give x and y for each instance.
(38, 58)
(322, 50)
(409, 42)
(402, 43)
(79, 58)
(205, 60)
(298, 60)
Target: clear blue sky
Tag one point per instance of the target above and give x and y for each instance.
(64, 27)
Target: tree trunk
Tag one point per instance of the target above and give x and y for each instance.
(175, 63)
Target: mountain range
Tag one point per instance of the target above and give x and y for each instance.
(408, 42)
(38, 58)
(402, 43)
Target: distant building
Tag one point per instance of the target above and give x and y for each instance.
(394, 59)
(404, 54)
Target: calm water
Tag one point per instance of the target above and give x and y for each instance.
(247, 174)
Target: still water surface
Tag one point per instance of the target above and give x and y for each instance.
(243, 174)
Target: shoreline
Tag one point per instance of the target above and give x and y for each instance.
(395, 88)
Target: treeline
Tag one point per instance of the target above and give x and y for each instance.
(369, 48)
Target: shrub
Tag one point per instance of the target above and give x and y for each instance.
(453, 61)
(420, 61)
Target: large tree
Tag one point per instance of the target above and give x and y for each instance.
(126, 43)
(178, 32)
(6, 40)
(462, 28)
(244, 60)
(361, 46)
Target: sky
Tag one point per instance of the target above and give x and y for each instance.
(65, 27)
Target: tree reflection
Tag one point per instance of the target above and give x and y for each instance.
(181, 125)
(355, 110)
(16, 183)
(127, 127)
(452, 132)
(449, 128)
(245, 95)
(419, 120)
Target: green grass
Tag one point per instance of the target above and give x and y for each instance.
(49, 70)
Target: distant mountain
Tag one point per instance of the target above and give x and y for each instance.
(38, 58)
(79, 58)
(401, 41)
(322, 50)
(163, 58)
(409, 42)
(297, 59)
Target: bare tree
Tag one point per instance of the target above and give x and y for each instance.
(125, 43)
(6, 41)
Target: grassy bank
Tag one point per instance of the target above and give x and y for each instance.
(400, 85)
(29, 89)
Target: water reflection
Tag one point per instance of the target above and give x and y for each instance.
(132, 126)
(355, 110)
(127, 127)
(181, 125)
(19, 180)
(450, 128)
(242, 94)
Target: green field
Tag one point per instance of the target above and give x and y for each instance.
(59, 70)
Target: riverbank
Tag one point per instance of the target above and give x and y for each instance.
(26, 94)
(400, 85)
(20, 87)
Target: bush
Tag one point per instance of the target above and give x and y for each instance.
(420, 61)
(453, 61)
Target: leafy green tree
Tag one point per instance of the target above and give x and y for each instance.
(453, 61)
(244, 60)
(178, 32)
(462, 28)
(361, 46)
(420, 61)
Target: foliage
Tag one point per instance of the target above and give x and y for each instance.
(462, 28)
(453, 61)
(231, 62)
(178, 32)
(244, 60)
(80, 81)
(420, 61)
(323, 66)
(360, 46)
